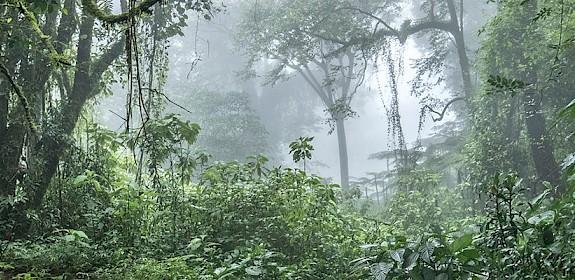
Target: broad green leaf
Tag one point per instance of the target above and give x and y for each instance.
(536, 202)
(468, 254)
(426, 251)
(462, 242)
(80, 179)
(79, 233)
(195, 244)
(380, 270)
(411, 261)
(69, 237)
(569, 161)
(219, 270)
(397, 255)
(545, 217)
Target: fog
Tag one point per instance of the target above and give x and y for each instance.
(206, 57)
(287, 139)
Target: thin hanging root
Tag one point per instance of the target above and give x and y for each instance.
(132, 61)
(21, 97)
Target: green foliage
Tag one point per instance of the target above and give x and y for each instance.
(522, 62)
(502, 84)
(64, 252)
(526, 239)
(161, 135)
(433, 256)
(231, 129)
(145, 205)
(301, 149)
(242, 221)
(416, 212)
(145, 268)
(520, 239)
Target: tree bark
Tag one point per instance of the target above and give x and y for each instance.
(343, 159)
(456, 31)
(14, 129)
(3, 109)
(4, 93)
(326, 94)
(51, 145)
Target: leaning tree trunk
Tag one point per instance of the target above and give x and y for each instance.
(32, 71)
(343, 160)
(51, 145)
(47, 151)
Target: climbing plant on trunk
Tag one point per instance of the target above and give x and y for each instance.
(527, 79)
(37, 126)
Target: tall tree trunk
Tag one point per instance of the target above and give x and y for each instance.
(52, 145)
(343, 160)
(3, 109)
(35, 72)
(50, 148)
(463, 63)
(456, 22)
(14, 127)
(546, 166)
(4, 87)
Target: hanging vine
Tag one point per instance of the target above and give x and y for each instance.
(394, 71)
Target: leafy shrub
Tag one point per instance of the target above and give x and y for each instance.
(527, 239)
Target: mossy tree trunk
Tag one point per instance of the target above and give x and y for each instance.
(33, 72)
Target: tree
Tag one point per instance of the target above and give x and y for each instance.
(40, 121)
(301, 150)
(529, 80)
(442, 22)
(230, 128)
(290, 35)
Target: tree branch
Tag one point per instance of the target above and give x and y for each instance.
(380, 20)
(100, 65)
(442, 113)
(21, 97)
(420, 26)
(31, 18)
(67, 26)
(325, 38)
(310, 78)
(92, 7)
(349, 76)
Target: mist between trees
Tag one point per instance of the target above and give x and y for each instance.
(287, 139)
